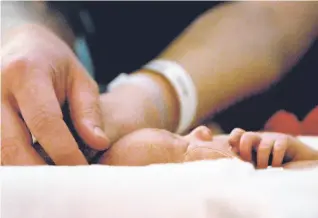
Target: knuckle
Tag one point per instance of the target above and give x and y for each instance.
(15, 64)
(16, 72)
(282, 142)
(13, 70)
(42, 120)
(248, 135)
(285, 138)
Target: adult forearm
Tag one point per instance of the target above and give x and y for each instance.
(240, 49)
(17, 14)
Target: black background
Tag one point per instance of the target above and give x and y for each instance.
(129, 34)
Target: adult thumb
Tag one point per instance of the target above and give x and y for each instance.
(85, 111)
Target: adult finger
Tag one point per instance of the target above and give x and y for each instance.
(248, 141)
(42, 113)
(16, 141)
(83, 97)
(263, 152)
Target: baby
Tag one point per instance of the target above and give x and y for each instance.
(153, 146)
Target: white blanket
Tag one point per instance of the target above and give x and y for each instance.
(204, 189)
(312, 141)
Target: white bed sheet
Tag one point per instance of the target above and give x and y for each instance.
(204, 189)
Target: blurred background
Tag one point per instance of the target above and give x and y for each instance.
(114, 37)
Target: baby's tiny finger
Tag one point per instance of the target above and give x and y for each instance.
(263, 152)
(248, 141)
(279, 150)
(235, 137)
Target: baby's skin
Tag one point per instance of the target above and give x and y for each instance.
(154, 146)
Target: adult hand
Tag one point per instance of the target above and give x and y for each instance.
(39, 74)
(148, 102)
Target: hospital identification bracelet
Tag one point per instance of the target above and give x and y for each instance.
(179, 80)
(184, 87)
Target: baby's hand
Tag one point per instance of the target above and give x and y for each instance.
(280, 147)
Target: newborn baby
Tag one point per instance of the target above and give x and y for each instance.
(150, 146)
(153, 146)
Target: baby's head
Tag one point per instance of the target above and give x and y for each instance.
(151, 146)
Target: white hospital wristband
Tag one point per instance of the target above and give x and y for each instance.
(184, 87)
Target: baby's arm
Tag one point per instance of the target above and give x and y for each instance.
(281, 148)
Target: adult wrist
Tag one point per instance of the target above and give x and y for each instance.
(151, 92)
(166, 97)
(177, 88)
(147, 95)
(183, 86)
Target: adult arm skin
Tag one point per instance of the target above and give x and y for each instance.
(16, 13)
(239, 49)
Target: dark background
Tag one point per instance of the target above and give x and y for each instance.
(129, 34)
